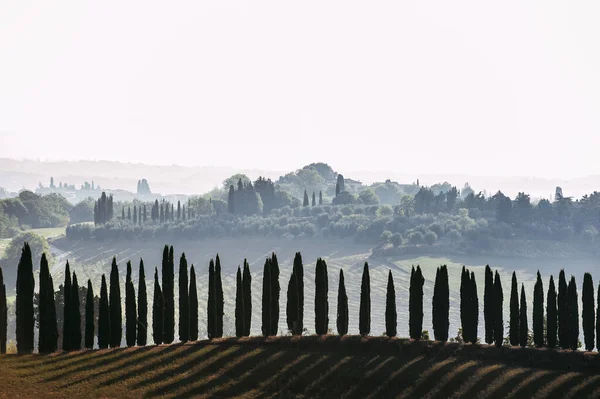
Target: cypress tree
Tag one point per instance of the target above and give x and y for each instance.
(89, 316)
(158, 309)
(441, 305)
(305, 202)
(390, 308)
(538, 312)
(474, 306)
(48, 332)
(514, 312)
(499, 317)
(211, 303)
(193, 301)
(573, 313)
(464, 304)
(563, 314)
(103, 317)
(123, 213)
(76, 315)
(597, 312)
(130, 309)
(239, 305)
(266, 298)
(291, 309)
(275, 292)
(587, 312)
(134, 214)
(219, 298)
(142, 322)
(321, 301)
(128, 213)
(415, 317)
(168, 290)
(179, 212)
(552, 317)
(523, 329)
(320, 198)
(172, 214)
(184, 304)
(115, 310)
(488, 305)
(67, 314)
(298, 270)
(314, 199)
(231, 200)
(364, 319)
(342, 307)
(247, 281)
(4, 315)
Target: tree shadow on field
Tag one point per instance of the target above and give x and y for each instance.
(503, 389)
(278, 383)
(137, 366)
(427, 381)
(588, 387)
(221, 370)
(397, 381)
(147, 352)
(561, 389)
(484, 381)
(251, 373)
(89, 363)
(454, 383)
(530, 388)
(47, 360)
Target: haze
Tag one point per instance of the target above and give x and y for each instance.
(504, 89)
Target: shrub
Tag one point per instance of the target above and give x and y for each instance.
(430, 237)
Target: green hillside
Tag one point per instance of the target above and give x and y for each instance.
(304, 367)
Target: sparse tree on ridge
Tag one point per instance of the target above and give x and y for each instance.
(219, 298)
(168, 291)
(211, 310)
(275, 292)
(67, 314)
(266, 298)
(587, 312)
(89, 316)
(514, 312)
(538, 312)
(563, 311)
(115, 309)
(247, 282)
(103, 316)
(552, 315)
(75, 315)
(158, 308)
(130, 309)
(499, 319)
(142, 322)
(321, 300)
(441, 305)
(184, 305)
(415, 303)
(239, 305)
(573, 313)
(488, 305)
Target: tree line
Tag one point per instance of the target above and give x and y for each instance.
(555, 321)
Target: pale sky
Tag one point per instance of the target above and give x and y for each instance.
(480, 87)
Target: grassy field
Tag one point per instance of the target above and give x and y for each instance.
(303, 367)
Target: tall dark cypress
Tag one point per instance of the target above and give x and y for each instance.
(89, 316)
(48, 331)
(158, 309)
(211, 311)
(488, 305)
(314, 199)
(364, 317)
(391, 317)
(275, 293)
(474, 309)
(67, 323)
(103, 317)
(305, 202)
(231, 199)
(193, 301)
(3, 315)
(415, 317)
(130, 309)
(441, 305)
(320, 198)
(184, 304)
(76, 315)
(247, 281)
(266, 298)
(342, 307)
(587, 312)
(551, 315)
(219, 298)
(321, 300)
(573, 313)
(465, 283)
(115, 309)
(563, 311)
(499, 316)
(239, 305)
(298, 270)
(538, 312)
(291, 309)
(142, 322)
(514, 312)
(597, 312)
(168, 289)
(523, 326)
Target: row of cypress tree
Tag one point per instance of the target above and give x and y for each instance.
(562, 318)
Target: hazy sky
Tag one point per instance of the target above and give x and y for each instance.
(480, 87)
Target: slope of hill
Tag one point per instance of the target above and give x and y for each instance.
(304, 367)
